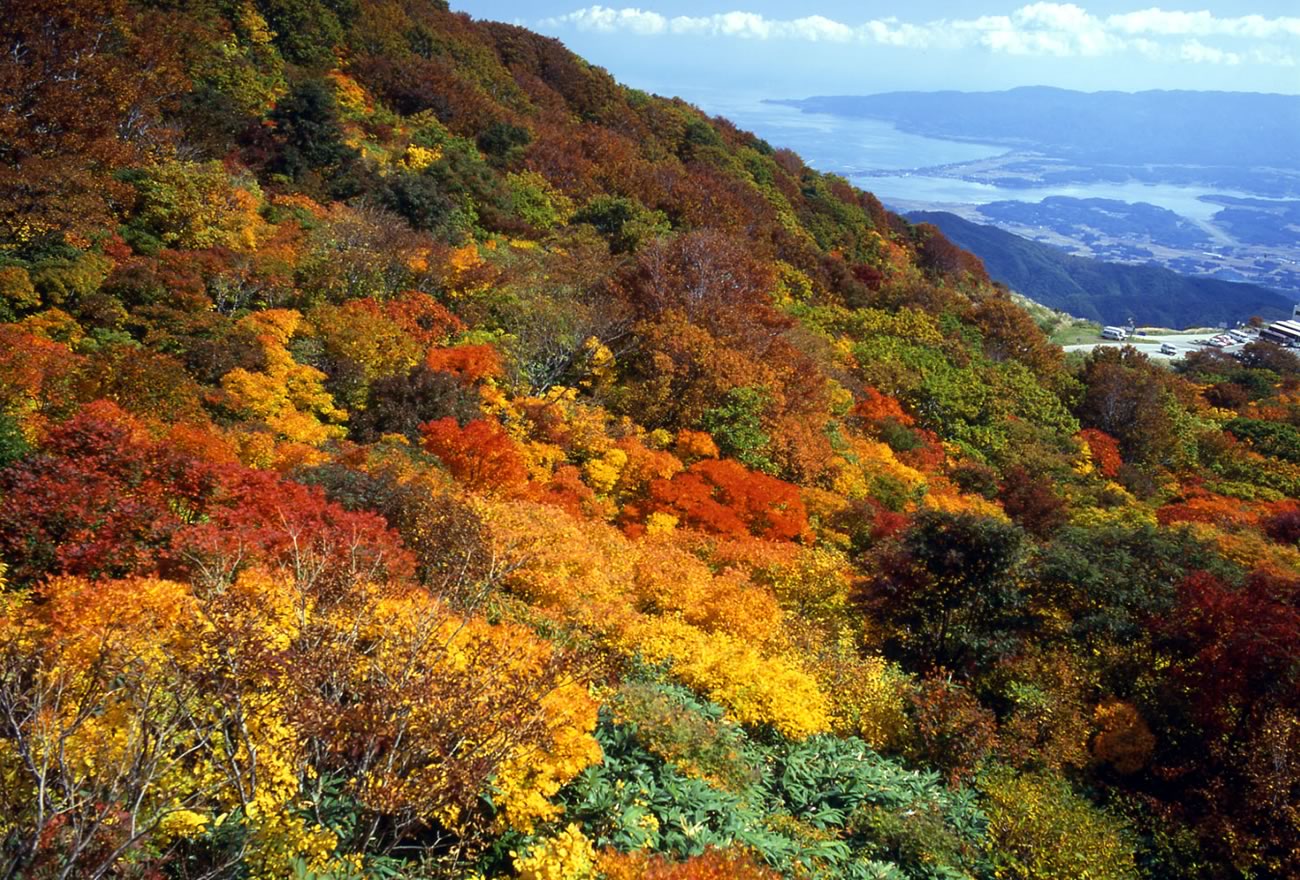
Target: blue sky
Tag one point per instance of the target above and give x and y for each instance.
(781, 49)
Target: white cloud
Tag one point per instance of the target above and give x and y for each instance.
(1204, 24)
(1036, 29)
(1062, 29)
(816, 27)
(1198, 53)
(1057, 16)
(601, 18)
(744, 25)
(748, 25)
(892, 32)
(1274, 56)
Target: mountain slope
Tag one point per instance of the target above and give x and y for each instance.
(423, 457)
(1110, 293)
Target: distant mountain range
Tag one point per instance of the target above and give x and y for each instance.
(1233, 129)
(1110, 293)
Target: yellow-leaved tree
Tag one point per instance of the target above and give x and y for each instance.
(719, 632)
(1041, 830)
(128, 722)
(142, 717)
(288, 398)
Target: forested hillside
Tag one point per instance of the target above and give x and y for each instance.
(422, 457)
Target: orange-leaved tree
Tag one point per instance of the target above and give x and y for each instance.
(480, 453)
(725, 497)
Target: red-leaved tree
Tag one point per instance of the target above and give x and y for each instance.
(100, 499)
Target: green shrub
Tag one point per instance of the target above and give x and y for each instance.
(1039, 829)
(825, 807)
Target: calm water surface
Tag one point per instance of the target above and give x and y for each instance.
(833, 143)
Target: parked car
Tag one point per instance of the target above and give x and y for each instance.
(1168, 349)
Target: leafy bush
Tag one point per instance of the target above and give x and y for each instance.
(737, 426)
(1041, 830)
(827, 807)
(1270, 438)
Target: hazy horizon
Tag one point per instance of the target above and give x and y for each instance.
(834, 47)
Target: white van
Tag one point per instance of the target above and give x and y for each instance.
(1114, 333)
(1168, 349)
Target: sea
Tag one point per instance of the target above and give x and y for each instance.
(879, 158)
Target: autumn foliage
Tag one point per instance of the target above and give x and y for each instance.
(722, 496)
(422, 455)
(468, 363)
(713, 865)
(479, 454)
(101, 499)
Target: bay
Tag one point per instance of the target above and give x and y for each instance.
(832, 143)
(879, 158)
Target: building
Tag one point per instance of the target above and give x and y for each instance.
(1282, 333)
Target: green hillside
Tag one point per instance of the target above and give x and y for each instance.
(1109, 293)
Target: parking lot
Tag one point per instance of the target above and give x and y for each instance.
(1150, 345)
